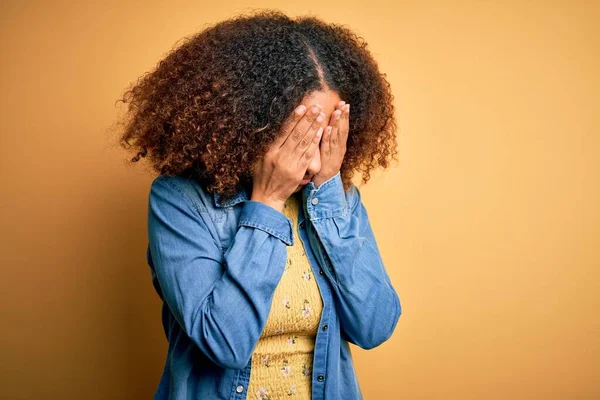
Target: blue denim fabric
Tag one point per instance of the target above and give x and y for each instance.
(216, 265)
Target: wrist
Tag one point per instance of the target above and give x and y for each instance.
(276, 204)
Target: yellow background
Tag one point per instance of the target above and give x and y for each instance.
(488, 226)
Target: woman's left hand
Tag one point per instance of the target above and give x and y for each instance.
(333, 143)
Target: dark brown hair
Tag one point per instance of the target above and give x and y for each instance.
(214, 104)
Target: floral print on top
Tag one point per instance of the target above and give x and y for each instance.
(283, 357)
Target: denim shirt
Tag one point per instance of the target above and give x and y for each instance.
(216, 264)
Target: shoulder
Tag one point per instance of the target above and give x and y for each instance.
(183, 188)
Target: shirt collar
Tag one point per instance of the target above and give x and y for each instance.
(242, 194)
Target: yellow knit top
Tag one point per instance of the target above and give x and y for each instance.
(282, 359)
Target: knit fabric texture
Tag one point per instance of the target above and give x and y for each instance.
(282, 359)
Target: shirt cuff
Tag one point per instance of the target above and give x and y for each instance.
(326, 201)
(259, 215)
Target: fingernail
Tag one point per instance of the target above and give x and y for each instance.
(300, 109)
(316, 109)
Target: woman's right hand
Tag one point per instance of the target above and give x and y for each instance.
(277, 175)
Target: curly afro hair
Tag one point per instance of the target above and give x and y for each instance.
(213, 105)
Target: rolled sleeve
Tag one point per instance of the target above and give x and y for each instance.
(326, 201)
(261, 216)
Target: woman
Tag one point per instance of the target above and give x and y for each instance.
(259, 244)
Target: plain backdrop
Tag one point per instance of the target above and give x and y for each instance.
(489, 225)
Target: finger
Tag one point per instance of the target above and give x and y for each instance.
(298, 132)
(289, 125)
(325, 146)
(311, 150)
(344, 126)
(335, 125)
(308, 136)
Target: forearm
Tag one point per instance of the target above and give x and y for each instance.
(345, 245)
(221, 301)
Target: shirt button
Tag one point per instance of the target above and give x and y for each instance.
(239, 389)
(302, 224)
(325, 327)
(320, 378)
(321, 271)
(315, 201)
